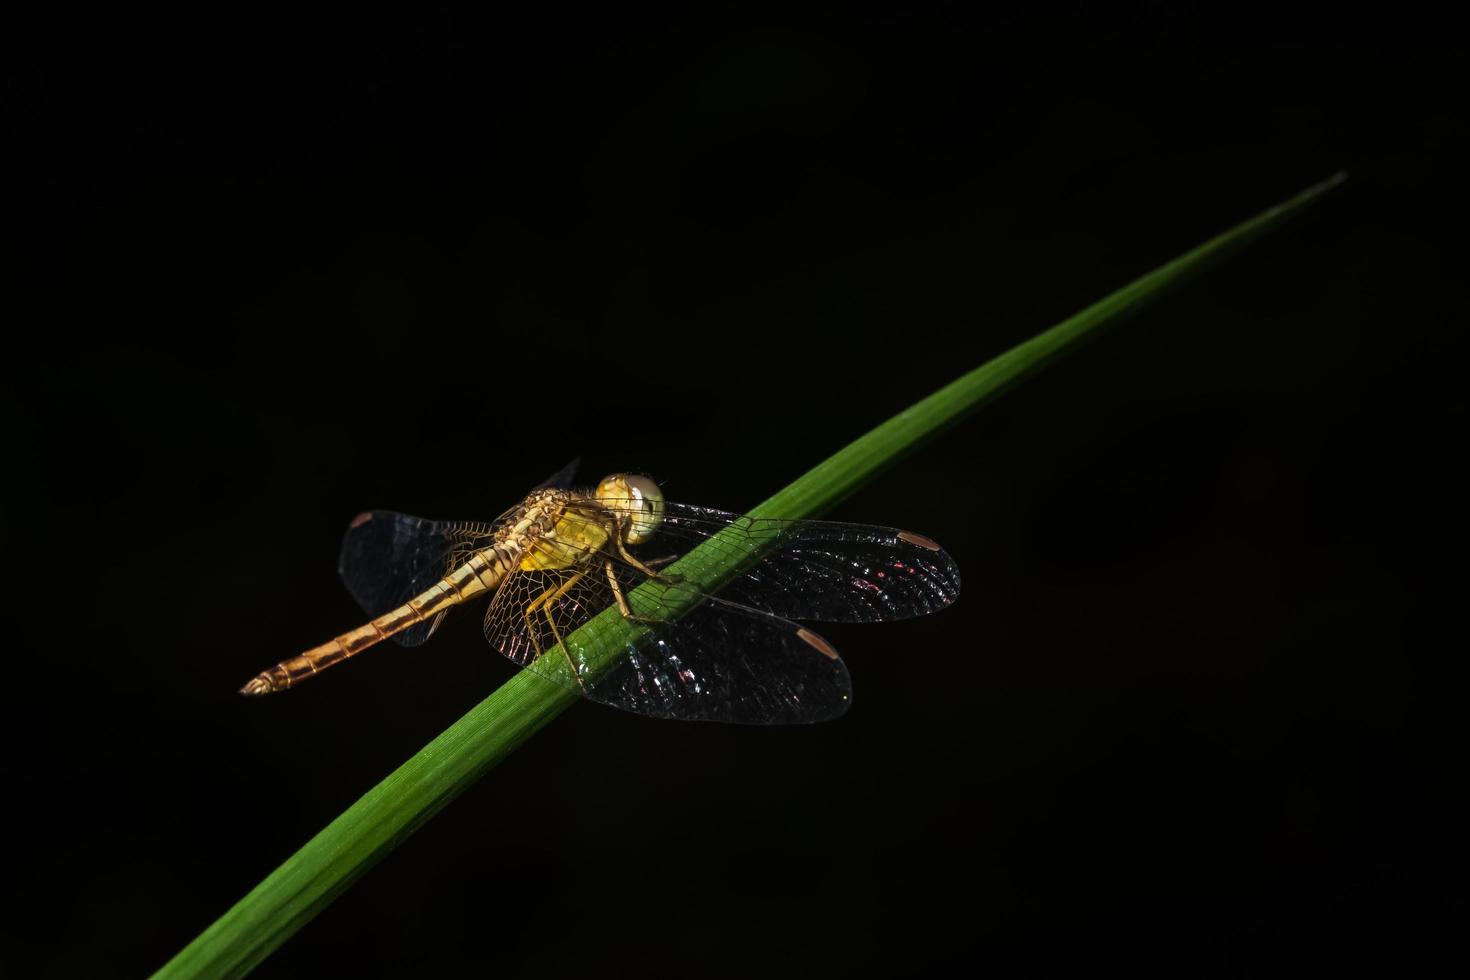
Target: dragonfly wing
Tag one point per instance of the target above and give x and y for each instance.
(387, 558)
(717, 662)
(721, 663)
(562, 478)
(822, 571)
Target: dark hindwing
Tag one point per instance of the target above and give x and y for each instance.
(388, 558)
(718, 662)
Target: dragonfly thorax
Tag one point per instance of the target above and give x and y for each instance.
(557, 529)
(537, 515)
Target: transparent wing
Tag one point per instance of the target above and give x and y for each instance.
(562, 478)
(822, 571)
(718, 662)
(387, 558)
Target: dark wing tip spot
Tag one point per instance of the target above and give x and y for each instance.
(361, 519)
(812, 639)
(919, 540)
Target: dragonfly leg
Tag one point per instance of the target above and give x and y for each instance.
(530, 629)
(543, 603)
(546, 608)
(623, 606)
(646, 570)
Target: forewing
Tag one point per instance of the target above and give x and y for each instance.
(387, 558)
(562, 478)
(821, 571)
(718, 662)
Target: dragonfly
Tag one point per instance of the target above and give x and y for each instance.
(566, 568)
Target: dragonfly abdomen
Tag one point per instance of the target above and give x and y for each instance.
(483, 572)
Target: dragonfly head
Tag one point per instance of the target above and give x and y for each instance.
(639, 498)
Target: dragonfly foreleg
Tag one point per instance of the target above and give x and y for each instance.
(622, 600)
(543, 603)
(617, 538)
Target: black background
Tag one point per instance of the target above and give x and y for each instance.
(277, 267)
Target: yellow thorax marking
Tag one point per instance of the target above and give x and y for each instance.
(568, 543)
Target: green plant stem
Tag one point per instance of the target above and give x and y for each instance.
(342, 851)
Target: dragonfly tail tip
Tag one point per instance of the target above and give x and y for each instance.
(257, 685)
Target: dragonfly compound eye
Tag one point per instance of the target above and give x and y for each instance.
(639, 498)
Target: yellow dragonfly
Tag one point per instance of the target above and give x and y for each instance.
(565, 559)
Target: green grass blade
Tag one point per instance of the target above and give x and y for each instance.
(328, 863)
